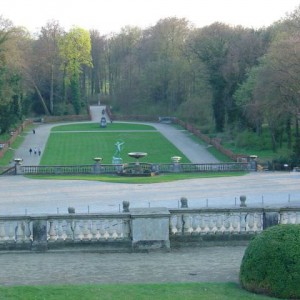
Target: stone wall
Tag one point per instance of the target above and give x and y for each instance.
(143, 229)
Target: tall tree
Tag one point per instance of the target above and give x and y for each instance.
(75, 51)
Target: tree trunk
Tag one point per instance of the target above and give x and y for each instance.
(41, 99)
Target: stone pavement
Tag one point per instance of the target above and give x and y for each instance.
(208, 264)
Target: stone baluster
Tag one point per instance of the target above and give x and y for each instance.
(211, 224)
(110, 229)
(2, 231)
(60, 231)
(258, 221)
(202, 224)
(69, 230)
(20, 232)
(179, 224)
(243, 225)
(235, 224)
(187, 224)
(101, 230)
(11, 231)
(250, 222)
(173, 222)
(77, 230)
(52, 231)
(27, 230)
(94, 230)
(119, 229)
(227, 224)
(219, 223)
(86, 230)
(195, 224)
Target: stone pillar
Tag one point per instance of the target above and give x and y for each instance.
(150, 229)
(270, 219)
(97, 165)
(18, 163)
(39, 233)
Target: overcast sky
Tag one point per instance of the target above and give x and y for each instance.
(111, 15)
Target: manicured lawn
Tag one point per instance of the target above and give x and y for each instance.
(172, 291)
(96, 127)
(77, 145)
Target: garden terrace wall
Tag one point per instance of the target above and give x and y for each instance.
(142, 229)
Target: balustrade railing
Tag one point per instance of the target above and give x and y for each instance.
(230, 221)
(77, 227)
(212, 221)
(22, 232)
(87, 228)
(144, 167)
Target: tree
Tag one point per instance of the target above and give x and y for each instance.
(11, 89)
(47, 52)
(75, 51)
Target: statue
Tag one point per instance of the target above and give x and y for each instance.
(117, 155)
(118, 149)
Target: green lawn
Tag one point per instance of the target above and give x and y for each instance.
(77, 145)
(172, 291)
(96, 127)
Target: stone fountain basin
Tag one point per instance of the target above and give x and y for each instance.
(137, 155)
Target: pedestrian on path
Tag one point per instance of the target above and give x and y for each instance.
(33, 131)
(35, 151)
(39, 151)
(30, 151)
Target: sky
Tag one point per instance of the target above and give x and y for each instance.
(109, 16)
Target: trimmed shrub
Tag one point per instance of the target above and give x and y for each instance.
(271, 263)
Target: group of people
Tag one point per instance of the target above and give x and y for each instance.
(35, 151)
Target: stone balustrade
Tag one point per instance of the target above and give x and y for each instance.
(99, 168)
(212, 221)
(139, 229)
(17, 232)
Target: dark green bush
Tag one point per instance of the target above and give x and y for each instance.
(271, 263)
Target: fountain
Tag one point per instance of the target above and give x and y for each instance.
(137, 155)
(137, 169)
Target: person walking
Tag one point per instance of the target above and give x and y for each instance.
(30, 151)
(39, 151)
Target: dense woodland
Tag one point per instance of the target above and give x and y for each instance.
(220, 78)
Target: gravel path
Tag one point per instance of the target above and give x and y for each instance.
(212, 264)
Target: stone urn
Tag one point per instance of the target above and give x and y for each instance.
(184, 202)
(243, 201)
(126, 206)
(176, 159)
(71, 210)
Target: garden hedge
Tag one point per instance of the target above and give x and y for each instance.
(271, 263)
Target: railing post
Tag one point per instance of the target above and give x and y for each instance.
(39, 234)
